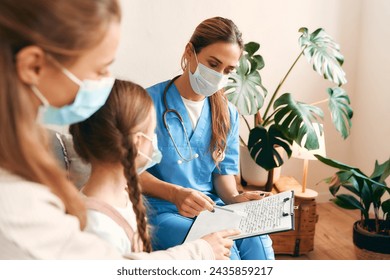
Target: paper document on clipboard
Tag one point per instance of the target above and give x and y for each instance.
(271, 214)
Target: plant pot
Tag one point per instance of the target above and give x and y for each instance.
(252, 173)
(370, 246)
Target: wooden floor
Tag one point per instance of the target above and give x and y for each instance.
(333, 235)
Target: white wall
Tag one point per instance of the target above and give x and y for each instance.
(371, 139)
(372, 92)
(155, 33)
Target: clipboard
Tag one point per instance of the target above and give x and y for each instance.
(271, 214)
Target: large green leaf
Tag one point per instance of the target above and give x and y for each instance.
(245, 89)
(342, 166)
(258, 59)
(324, 54)
(334, 189)
(251, 48)
(262, 145)
(381, 171)
(334, 183)
(344, 176)
(348, 202)
(366, 193)
(340, 110)
(341, 179)
(377, 193)
(297, 119)
(352, 186)
(335, 163)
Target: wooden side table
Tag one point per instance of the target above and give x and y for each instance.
(301, 239)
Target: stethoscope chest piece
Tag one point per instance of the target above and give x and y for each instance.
(179, 161)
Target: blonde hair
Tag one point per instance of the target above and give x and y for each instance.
(65, 29)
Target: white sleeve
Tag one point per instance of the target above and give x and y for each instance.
(194, 250)
(107, 229)
(33, 221)
(33, 225)
(104, 227)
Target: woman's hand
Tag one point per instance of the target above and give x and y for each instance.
(220, 243)
(247, 196)
(190, 202)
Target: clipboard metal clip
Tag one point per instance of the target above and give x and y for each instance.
(285, 214)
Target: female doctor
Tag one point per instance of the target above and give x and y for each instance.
(197, 132)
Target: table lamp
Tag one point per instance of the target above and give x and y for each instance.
(306, 155)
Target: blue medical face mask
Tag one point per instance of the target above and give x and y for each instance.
(206, 81)
(92, 95)
(156, 155)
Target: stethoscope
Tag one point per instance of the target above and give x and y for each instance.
(177, 114)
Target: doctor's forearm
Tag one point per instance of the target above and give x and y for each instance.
(226, 188)
(157, 188)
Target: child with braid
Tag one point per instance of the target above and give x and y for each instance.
(119, 142)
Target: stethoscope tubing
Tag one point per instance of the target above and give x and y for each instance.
(173, 111)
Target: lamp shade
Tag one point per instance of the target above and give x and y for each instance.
(303, 153)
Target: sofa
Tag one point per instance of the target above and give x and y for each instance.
(62, 146)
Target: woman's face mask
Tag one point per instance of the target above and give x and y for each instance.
(206, 81)
(92, 95)
(156, 155)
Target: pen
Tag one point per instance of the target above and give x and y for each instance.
(222, 208)
(229, 210)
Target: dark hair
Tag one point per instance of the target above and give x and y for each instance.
(107, 136)
(65, 29)
(208, 32)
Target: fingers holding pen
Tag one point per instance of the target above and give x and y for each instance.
(191, 202)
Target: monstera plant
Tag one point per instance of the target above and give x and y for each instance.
(285, 119)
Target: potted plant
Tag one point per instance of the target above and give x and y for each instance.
(286, 120)
(371, 234)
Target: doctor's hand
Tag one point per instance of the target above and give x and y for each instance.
(191, 202)
(221, 243)
(252, 195)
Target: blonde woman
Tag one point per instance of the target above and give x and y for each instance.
(54, 59)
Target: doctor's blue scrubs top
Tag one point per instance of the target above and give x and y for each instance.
(197, 173)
